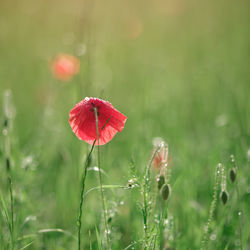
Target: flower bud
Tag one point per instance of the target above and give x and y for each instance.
(5, 123)
(8, 164)
(165, 191)
(232, 174)
(132, 183)
(224, 196)
(160, 181)
(109, 220)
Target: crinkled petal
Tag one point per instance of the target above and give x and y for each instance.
(116, 119)
(83, 123)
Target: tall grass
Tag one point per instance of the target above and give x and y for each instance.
(212, 206)
(179, 70)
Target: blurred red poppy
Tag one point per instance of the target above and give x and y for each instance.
(64, 67)
(83, 123)
(133, 28)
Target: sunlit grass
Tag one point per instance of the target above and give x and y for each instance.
(178, 70)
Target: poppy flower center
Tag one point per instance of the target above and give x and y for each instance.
(93, 107)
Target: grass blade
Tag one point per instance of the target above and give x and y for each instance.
(99, 242)
(5, 212)
(26, 245)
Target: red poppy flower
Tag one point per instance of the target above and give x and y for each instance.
(64, 67)
(83, 123)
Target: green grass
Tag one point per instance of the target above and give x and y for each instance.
(185, 77)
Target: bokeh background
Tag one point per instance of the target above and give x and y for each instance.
(177, 69)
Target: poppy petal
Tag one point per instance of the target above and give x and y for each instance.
(83, 123)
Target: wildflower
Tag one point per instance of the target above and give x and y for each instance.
(133, 28)
(83, 123)
(161, 157)
(64, 67)
(132, 183)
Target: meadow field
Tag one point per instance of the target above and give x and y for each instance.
(179, 71)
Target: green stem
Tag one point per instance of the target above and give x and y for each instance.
(212, 207)
(163, 208)
(84, 175)
(100, 180)
(12, 214)
(90, 244)
(239, 213)
(145, 197)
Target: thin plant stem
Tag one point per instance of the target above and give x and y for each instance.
(239, 214)
(154, 202)
(12, 214)
(163, 208)
(84, 175)
(212, 207)
(90, 244)
(100, 179)
(7, 145)
(145, 197)
(238, 201)
(5, 211)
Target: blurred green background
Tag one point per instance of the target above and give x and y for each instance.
(177, 69)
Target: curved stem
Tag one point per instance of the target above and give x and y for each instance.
(12, 214)
(84, 175)
(100, 180)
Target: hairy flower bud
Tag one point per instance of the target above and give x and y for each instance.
(165, 191)
(224, 196)
(232, 174)
(5, 123)
(8, 164)
(160, 181)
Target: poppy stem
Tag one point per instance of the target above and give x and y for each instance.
(84, 175)
(100, 180)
